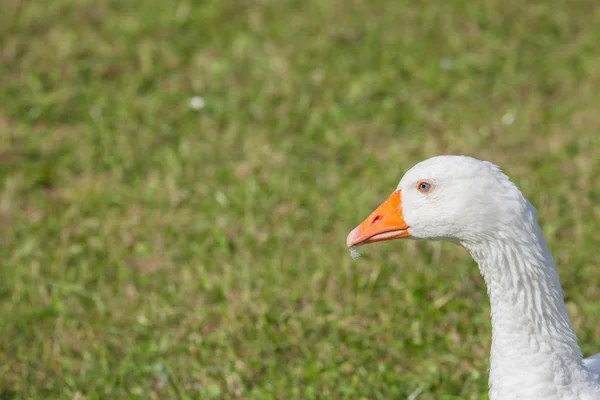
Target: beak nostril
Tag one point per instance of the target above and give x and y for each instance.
(376, 219)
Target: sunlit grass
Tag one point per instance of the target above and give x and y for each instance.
(153, 250)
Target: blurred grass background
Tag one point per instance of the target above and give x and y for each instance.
(150, 250)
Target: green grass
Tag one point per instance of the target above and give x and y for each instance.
(153, 251)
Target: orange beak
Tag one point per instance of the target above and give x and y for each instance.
(385, 223)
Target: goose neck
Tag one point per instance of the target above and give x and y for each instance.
(533, 343)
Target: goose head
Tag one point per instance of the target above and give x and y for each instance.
(448, 198)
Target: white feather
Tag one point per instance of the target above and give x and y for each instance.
(354, 253)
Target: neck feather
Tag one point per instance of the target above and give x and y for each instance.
(533, 344)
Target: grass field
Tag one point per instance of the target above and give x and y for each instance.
(150, 250)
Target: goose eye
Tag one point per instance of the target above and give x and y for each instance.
(424, 187)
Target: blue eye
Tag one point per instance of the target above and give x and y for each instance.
(424, 187)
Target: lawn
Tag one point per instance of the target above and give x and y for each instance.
(154, 250)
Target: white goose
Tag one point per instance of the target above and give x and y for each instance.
(469, 202)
